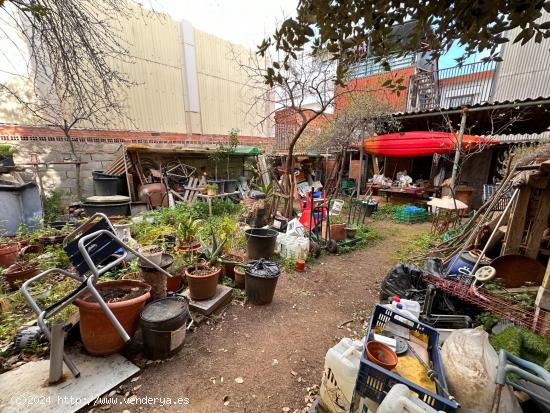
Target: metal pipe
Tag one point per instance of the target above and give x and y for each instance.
(458, 149)
(57, 342)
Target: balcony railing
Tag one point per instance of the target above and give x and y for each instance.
(452, 87)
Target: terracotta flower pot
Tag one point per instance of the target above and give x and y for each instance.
(239, 277)
(338, 232)
(381, 355)
(202, 287)
(8, 253)
(229, 268)
(153, 253)
(188, 248)
(16, 274)
(174, 283)
(98, 334)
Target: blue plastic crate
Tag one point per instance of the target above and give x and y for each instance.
(374, 382)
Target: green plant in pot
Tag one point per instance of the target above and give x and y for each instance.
(6, 155)
(202, 276)
(186, 234)
(211, 189)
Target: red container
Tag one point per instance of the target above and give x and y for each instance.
(300, 265)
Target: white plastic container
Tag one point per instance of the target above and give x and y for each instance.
(341, 368)
(411, 306)
(400, 399)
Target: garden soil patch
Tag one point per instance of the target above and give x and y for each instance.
(265, 358)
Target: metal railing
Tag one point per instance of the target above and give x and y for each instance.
(468, 84)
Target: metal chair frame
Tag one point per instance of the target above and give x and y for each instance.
(88, 275)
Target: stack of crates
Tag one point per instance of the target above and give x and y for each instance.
(410, 214)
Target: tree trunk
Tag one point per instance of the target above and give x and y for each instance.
(77, 165)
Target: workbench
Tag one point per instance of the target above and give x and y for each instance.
(209, 198)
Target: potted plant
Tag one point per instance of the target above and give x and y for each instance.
(6, 155)
(239, 276)
(152, 252)
(211, 189)
(337, 229)
(19, 272)
(186, 235)
(8, 252)
(126, 299)
(50, 235)
(203, 276)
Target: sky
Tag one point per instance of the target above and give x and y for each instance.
(245, 22)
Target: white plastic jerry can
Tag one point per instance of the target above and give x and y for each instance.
(339, 376)
(400, 399)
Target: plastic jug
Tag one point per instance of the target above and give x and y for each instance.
(411, 306)
(400, 399)
(341, 368)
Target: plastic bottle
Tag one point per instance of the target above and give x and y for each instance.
(400, 399)
(411, 306)
(339, 376)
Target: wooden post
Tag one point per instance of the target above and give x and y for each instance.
(539, 224)
(516, 225)
(458, 149)
(361, 154)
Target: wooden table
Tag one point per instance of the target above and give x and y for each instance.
(209, 198)
(400, 196)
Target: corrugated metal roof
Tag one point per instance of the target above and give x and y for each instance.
(522, 137)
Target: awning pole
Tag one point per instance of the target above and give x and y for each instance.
(458, 149)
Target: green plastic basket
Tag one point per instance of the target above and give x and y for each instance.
(410, 214)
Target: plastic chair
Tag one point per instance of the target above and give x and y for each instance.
(88, 246)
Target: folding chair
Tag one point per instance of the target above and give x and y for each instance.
(88, 247)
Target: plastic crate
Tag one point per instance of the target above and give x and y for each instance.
(410, 214)
(374, 382)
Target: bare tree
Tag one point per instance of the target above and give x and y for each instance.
(73, 52)
(304, 89)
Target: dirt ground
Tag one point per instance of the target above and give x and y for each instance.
(267, 358)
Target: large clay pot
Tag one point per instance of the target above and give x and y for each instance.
(202, 287)
(8, 253)
(98, 334)
(16, 274)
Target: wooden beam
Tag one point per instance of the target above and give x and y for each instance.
(540, 223)
(538, 181)
(516, 223)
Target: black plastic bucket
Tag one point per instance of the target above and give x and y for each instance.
(163, 324)
(260, 242)
(260, 281)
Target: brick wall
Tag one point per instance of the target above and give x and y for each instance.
(98, 148)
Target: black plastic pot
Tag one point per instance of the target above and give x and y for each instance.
(7, 160)
(260, 281)
(107, 185)
(371, 207)
(230, 185)
(163, 323)
(260, 242)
